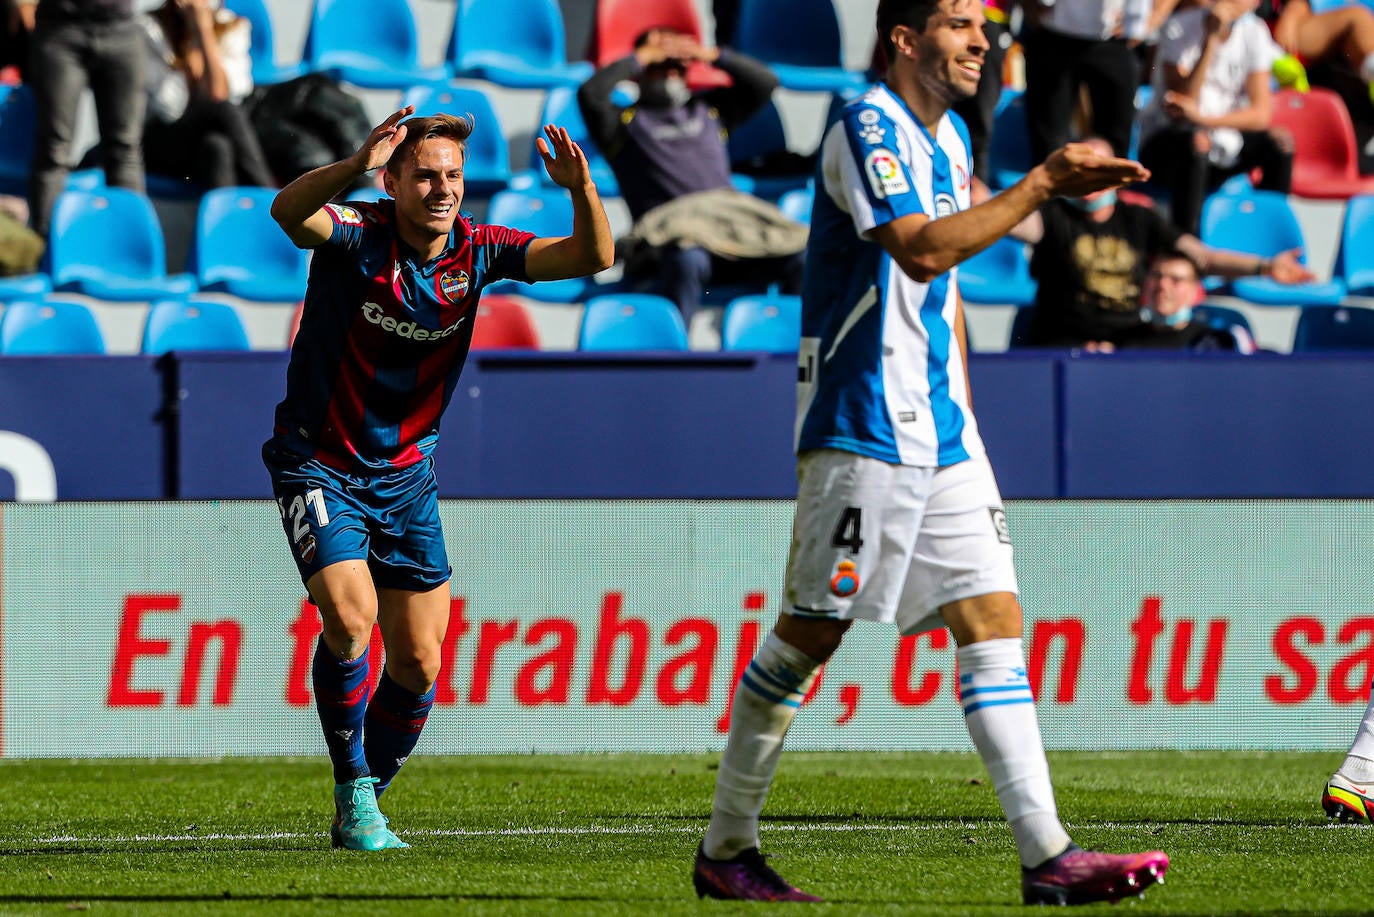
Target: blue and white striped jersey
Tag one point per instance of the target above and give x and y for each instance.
(880, 370)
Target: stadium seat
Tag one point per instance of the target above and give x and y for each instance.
(24, 286)
(1334, 328)
(1263, 223)
(239, 249)
(560, 107)
(50, 326)
(544, 212)
(262, 50)
(798, 202)
(768, 323)
(1009, 153)
(370, 194)
(998, 275)
(486, 169)
(1355, 254)
(18, 117)
(805, 59)
(758, 149)
(515, 43)
(620, 22)
(175, 324)
(631, 321)
(503, 323)
(1326, 162)
(369, 43)
(1223, 318)
(108, 244)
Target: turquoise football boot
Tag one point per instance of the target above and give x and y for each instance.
(358, 824)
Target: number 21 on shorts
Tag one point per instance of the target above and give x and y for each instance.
(302, 539)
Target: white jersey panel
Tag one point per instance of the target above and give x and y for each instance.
(881, 373)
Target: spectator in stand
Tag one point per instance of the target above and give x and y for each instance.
(1342, 36)
(75, 43)
(1091, 255)
(1070, 44)
(1173, 286)
(1209, 116)
(198, 72)
(669, 156)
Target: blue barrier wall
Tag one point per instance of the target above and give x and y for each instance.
(716, 425)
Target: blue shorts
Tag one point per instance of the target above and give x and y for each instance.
(389, 520)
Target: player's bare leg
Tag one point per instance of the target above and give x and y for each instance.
(347, 601)
(1000, 714)
(728, 863)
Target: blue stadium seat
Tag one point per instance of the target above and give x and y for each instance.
(544, 212)
(175, 324)
(560, 107)
(631, 321)
(486, 169)
(807, 57)
(999, 274)
(1009, 152)
(1223, 318)
(515, 43)
(108, 244)
(1355, 255)
(24, 286)
(368, 195)
(239, 249)
(1322, 328)
(369, 43)
(50, 326)
(757, 146)
(797, 203)
(263, 50)
(769, 323)
(1263, 223)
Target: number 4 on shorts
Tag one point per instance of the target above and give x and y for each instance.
(846, 534)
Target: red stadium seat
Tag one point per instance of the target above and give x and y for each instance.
(620, 22)
(1326, 164)
(503, 323)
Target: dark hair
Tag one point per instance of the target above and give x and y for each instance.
(1177, 254)
(643, 37)
(429, 127)
(892, 13)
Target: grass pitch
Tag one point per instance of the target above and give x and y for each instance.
(871, 833)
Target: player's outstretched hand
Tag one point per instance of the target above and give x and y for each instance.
(1076, 169)
(565, 162)
(385, 137)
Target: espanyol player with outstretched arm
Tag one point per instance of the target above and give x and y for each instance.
(898, 516)
(388, 318)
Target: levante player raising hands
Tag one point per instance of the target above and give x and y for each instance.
(388, 318)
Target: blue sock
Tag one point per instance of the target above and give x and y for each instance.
(394, 720)
(341, 699)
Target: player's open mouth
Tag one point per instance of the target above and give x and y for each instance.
(441, 210)
(973, 66)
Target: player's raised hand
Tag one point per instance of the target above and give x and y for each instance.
(1076, 169)
(385, 137)
(563, 159)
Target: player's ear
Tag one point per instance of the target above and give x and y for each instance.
(904, 40)
(389, 182)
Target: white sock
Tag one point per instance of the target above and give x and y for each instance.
(1359, 762)
(766, 700)
(1367, 68)
(1000, 715)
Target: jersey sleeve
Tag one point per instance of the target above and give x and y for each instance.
(503, 250)
(352, 222)
(877, 182)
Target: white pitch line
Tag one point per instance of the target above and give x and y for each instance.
(613, 830)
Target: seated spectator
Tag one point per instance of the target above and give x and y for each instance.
(669, 155)
(1173, 286)
(308, 122)
(198, 72)
(1209, 115)
(1090, 259)
(1344, 36)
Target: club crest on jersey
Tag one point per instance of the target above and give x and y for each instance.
(346, 214)
(944, 205)
(885, 174)
(454, 285)
(845, 582)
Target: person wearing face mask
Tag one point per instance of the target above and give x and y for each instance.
(1173, 286)
(671, 144)
(1091, 256)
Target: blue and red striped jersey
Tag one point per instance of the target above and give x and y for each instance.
(383, 337)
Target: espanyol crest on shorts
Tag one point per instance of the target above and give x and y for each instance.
(454, 285)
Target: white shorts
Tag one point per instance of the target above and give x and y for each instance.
(879, 542)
